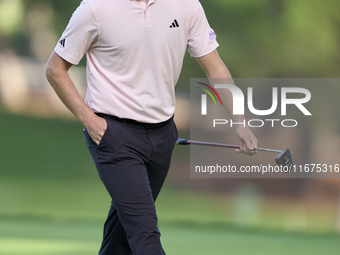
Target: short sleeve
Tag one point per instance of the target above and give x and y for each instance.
(80, 33)
(202, 38)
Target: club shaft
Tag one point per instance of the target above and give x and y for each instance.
(184, 141)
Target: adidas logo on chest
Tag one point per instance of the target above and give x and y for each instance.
(174, 24)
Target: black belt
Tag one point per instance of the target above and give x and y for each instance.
(134, 122)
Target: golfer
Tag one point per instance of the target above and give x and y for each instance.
(134, 51)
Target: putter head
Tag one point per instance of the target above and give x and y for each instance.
(285, 160)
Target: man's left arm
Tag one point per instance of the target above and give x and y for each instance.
(214, 68)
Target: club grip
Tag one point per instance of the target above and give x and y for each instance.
(182, 141)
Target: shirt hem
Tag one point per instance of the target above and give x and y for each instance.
(206, 51)
(66, 57)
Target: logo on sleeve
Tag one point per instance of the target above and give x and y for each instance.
(212, 35)
(62, 42)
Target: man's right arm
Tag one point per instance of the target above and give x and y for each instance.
(57, 75)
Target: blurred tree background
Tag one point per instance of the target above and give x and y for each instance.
(39, 185)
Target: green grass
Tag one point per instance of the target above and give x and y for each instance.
(52, 202)
(37, 237)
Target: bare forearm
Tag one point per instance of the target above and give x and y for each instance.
(58, 77)
(215, 70)
(222, 75)
(68, 94)
(57, 74)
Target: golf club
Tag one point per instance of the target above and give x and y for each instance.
(284, 158)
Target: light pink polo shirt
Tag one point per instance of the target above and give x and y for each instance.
(135, 52)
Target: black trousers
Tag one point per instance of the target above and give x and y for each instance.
(132, 160)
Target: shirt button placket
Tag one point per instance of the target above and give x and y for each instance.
(147, 14)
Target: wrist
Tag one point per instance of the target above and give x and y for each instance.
(87, 117)
(241, 129)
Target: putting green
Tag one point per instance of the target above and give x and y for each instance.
(13, 246)
(37, 237)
